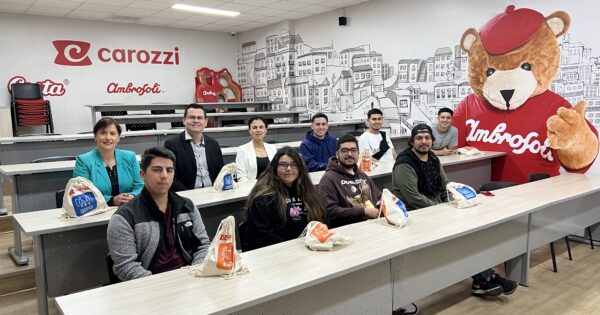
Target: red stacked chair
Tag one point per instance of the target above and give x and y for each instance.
(29, 107)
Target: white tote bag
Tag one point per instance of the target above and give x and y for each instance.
(224, 180)
(82, 198)
(393, 209)
(317, 236)
(222, 258)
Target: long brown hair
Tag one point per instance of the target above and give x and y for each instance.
(269, 184)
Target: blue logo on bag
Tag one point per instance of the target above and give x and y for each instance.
(84, 203)
(227, 182)
(402, 207)
(467, 192)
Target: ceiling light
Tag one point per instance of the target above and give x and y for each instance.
(204, 10)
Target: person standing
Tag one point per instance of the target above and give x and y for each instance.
(317, 146)
(193, 168)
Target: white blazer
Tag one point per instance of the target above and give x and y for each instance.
(245, 160)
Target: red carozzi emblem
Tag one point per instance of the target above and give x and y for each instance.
(72, 53)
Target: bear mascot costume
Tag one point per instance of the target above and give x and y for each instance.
(512, 61)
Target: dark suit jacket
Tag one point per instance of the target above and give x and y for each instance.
(185, 166)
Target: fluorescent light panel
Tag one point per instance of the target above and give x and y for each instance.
(194, 8)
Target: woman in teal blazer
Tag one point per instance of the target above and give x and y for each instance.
(116, 173)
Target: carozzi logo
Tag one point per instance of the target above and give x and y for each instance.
(49, 87)
(75, 53)
(115, 88)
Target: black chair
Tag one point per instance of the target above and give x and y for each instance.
(241, 230)
(28, 107)
(59, 195)
(54, 159)
(496, 185)
(178, 124)
(112, 277)
(539, 176)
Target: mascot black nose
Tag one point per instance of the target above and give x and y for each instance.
(507, 95)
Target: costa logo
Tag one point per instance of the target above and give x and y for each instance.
(49, 87)
(75, 53)
(72, 53)
(130, 88)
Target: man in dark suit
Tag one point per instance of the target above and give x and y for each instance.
(199, 157)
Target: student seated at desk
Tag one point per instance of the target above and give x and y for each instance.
(345, 188)
(281, 203)
(318, 146)
(253, 157)
(199, 157)
(419, 181)
(446, 135)
(158, 230)
(116, 173)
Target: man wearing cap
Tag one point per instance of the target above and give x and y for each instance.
(419, 181)
(418, 177)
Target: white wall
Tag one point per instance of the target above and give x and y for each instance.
(27, 51)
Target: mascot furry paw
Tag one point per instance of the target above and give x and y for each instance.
(512, 62)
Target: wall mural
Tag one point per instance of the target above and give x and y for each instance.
(345, 84)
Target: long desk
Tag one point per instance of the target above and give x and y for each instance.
(259, 106)
(62, 243)
(218, 118)
(382, 270)
(28, 194)
(18, 150)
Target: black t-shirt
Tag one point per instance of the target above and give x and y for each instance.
(432, 175)
(114, 183)
(261, 165)
(264, 225)
(168, 257)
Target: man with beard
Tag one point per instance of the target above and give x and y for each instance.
(349, 195)
(419, 181)
(418, 177)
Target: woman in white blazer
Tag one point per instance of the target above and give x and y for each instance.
(253, 157)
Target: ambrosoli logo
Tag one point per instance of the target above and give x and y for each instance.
(75, 53)
(115, 88)
(49, 87)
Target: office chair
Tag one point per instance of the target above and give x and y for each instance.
(28, 107)
(539, 176)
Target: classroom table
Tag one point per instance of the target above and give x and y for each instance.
(34, 186)
(218, 118)
(383, 269)
(98, 108)
(59, 243)
(18, 150)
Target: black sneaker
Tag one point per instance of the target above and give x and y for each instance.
(485, 288)
(508, 286)
(410, 309)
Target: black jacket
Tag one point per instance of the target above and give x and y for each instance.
(185, 166)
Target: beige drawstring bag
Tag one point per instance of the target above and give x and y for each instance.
(225, 179)
(317, 236)
(393, 209)
(82, 199)
(222, 258)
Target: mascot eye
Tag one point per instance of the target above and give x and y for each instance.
(526, 66)
(490, 71)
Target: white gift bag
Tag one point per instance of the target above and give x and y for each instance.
(82, 198)
(224, 180)
(222, 257)
(393, 209)
(317, 236)
(461, 195)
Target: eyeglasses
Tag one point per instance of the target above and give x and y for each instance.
(346, 151)
(284, 166)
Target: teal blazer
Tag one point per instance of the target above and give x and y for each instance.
(91, 166)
